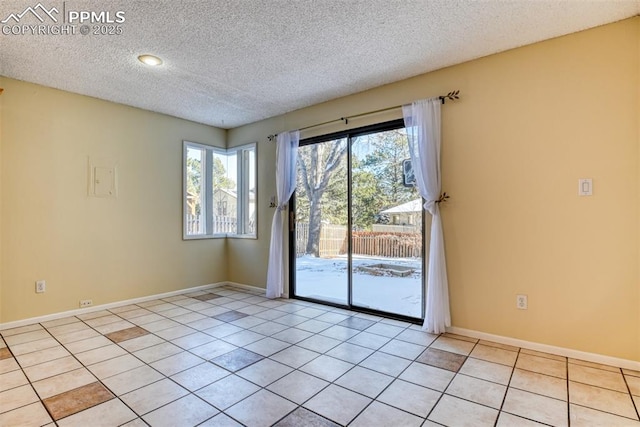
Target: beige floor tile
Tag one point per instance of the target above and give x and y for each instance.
(145, 319)
(267, 346)
(587, 417)
(369, 340)
(30, 415)
(227, 391)
(545, 355)
(261, 409)
(30, 347)
(63, 382)
(188, 317)
(453, 345)
(477, 391)
(298, 386)
(20, 330)
(364, 381)
(634, 384)
(157, 352)
(402, 349)
(153, 396)
(505, 419)
(199, 376)
(139, 423)
(77, 336)
(12, 379)
(186, 411)
(631, 372)
(417, 337)
(460, 337)
(536, 407)
(385, 363)
(489, 371)
(114, 327)
(100, 354)
(132, 380)
(338, 404)
(52, 368)
(542, 365)
(88, 344)
(176, 363)
(132, 314)
(103, 320)
(42, 356)
(141, 342)
(427, 376)
(8, 365)
(379, 414)
(295, 356)
(494, 354)
(160, 325)
(540, 384)
(498, 345)
(193, 340)
(27, 337)
(593, 365)
(597, 377)
(291, 335)
(243, 338)
(17, 397)
(602, 399)
(455, 412)
(68, 328)
(326, 368)
(175, 332)
(93, 314)
(410, 397)
(264, 372)
(115, 366)
(124, 309)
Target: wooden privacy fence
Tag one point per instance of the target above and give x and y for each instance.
(332, 238)
(333, 242)
(384, 244)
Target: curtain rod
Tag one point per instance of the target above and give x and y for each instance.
(453, 95)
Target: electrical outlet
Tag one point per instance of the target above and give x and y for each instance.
(85, 303)
(41, 286)
(521, 302)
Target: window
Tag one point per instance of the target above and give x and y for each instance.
(219, 191)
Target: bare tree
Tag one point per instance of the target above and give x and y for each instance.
(317, 164)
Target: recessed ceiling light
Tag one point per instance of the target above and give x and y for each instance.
(150, 60)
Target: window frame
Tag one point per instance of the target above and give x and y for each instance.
(243, 184)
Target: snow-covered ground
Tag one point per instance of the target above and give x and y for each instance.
(326, 279)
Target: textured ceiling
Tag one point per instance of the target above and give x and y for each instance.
(232, 62)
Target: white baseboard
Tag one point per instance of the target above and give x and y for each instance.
(54, 316)
(545, 348)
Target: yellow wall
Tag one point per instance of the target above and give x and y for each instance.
(85, 247)
(530, 123)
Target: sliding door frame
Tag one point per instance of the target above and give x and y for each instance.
(350, 135)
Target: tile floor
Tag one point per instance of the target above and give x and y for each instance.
(230, 357)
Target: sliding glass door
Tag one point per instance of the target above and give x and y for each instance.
(357, 236)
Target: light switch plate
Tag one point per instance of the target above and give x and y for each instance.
(585, 187)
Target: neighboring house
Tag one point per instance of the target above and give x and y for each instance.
(226, 201)
(406, 217)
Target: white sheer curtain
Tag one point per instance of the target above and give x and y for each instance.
(422, 120)
(286, 158)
